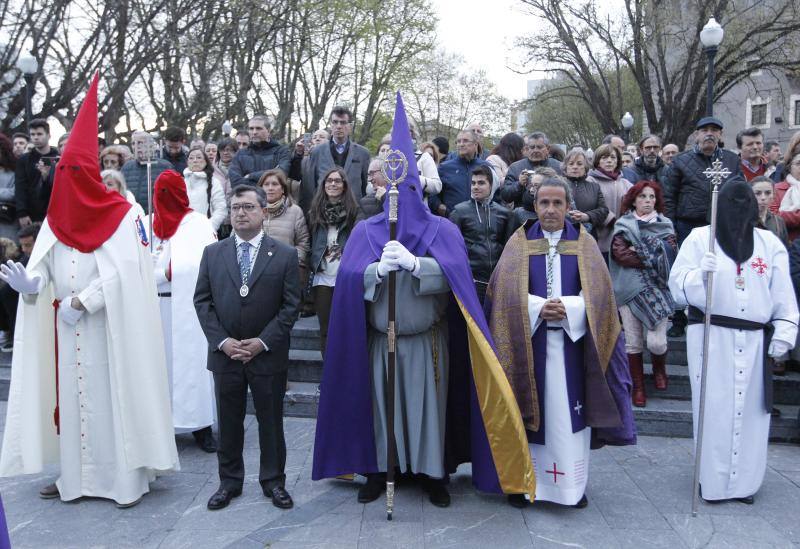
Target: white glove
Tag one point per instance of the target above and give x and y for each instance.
(387, 263)
(18, 278)
(405, 259)
(778, 348)
(709, 263)
(67, 313)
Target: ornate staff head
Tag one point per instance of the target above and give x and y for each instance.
(716, 173)
(394, 170)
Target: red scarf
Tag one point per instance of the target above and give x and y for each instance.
(170, 204)
(611, 175)
(84, 214)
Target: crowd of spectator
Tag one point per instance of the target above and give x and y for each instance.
(639, 201)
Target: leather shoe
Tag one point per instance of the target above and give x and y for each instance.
(517, 500)
(205, 440)
(582, 503)
(372, 489)
(280, 497)
(437, 492)
(49, 492)
(222, 498)
(746, 500)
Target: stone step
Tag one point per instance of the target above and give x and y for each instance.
(301, 400)
(786, 389)
(305, 366)
(305, 334)
(676, 351)
(673, 418)
(662, 417)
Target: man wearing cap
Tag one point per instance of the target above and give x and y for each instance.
(687, 190)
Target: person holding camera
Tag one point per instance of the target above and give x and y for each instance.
(33, 180)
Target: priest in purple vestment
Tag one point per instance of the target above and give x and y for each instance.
(453, 402)
(559, 340)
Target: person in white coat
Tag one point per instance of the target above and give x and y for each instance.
(179, 237)
(205, 188)
(89, 389)
(752, 299)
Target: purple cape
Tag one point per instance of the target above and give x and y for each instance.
(345, 439)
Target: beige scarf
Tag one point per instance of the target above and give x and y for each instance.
(791, 200)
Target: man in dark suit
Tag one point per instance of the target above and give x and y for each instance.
(342, 152)
(246, 299)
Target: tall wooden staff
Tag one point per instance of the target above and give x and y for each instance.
(394, 169)
(715, 174)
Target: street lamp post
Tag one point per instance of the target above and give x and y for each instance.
(28, 66)
(627, 124)
(711, 37)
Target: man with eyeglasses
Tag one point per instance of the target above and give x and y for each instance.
(246, 299)
(351, 157)
(538, 147)
(262, 154)
(372, 203)
(649, 165)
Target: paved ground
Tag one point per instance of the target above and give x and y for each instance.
(638, 497)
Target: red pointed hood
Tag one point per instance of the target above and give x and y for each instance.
(82, 212)
(170, 204)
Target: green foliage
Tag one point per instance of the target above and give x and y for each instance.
(575, 122)
(381, 125)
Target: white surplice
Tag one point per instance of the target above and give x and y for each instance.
(736, 426)
(92, 460)
(562, 463)
(115, 421)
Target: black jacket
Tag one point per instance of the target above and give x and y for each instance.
(687, 191)
(249, 164)
(657, 173)
(31, 192)
(371, 205)
(179, 161)
(486, 228)
(794, 265)
(589, 199)
(268, 312)
(319, 241)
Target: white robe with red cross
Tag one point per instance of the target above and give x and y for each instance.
(736, 422)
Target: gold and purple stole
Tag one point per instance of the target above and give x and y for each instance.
(511, 328)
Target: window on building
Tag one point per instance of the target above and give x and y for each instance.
(796, 106)
(758, 115)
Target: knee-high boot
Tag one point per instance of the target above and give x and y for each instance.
(660, 371)
(637, 376)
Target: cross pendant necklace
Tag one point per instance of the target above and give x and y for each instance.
(551, 257)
